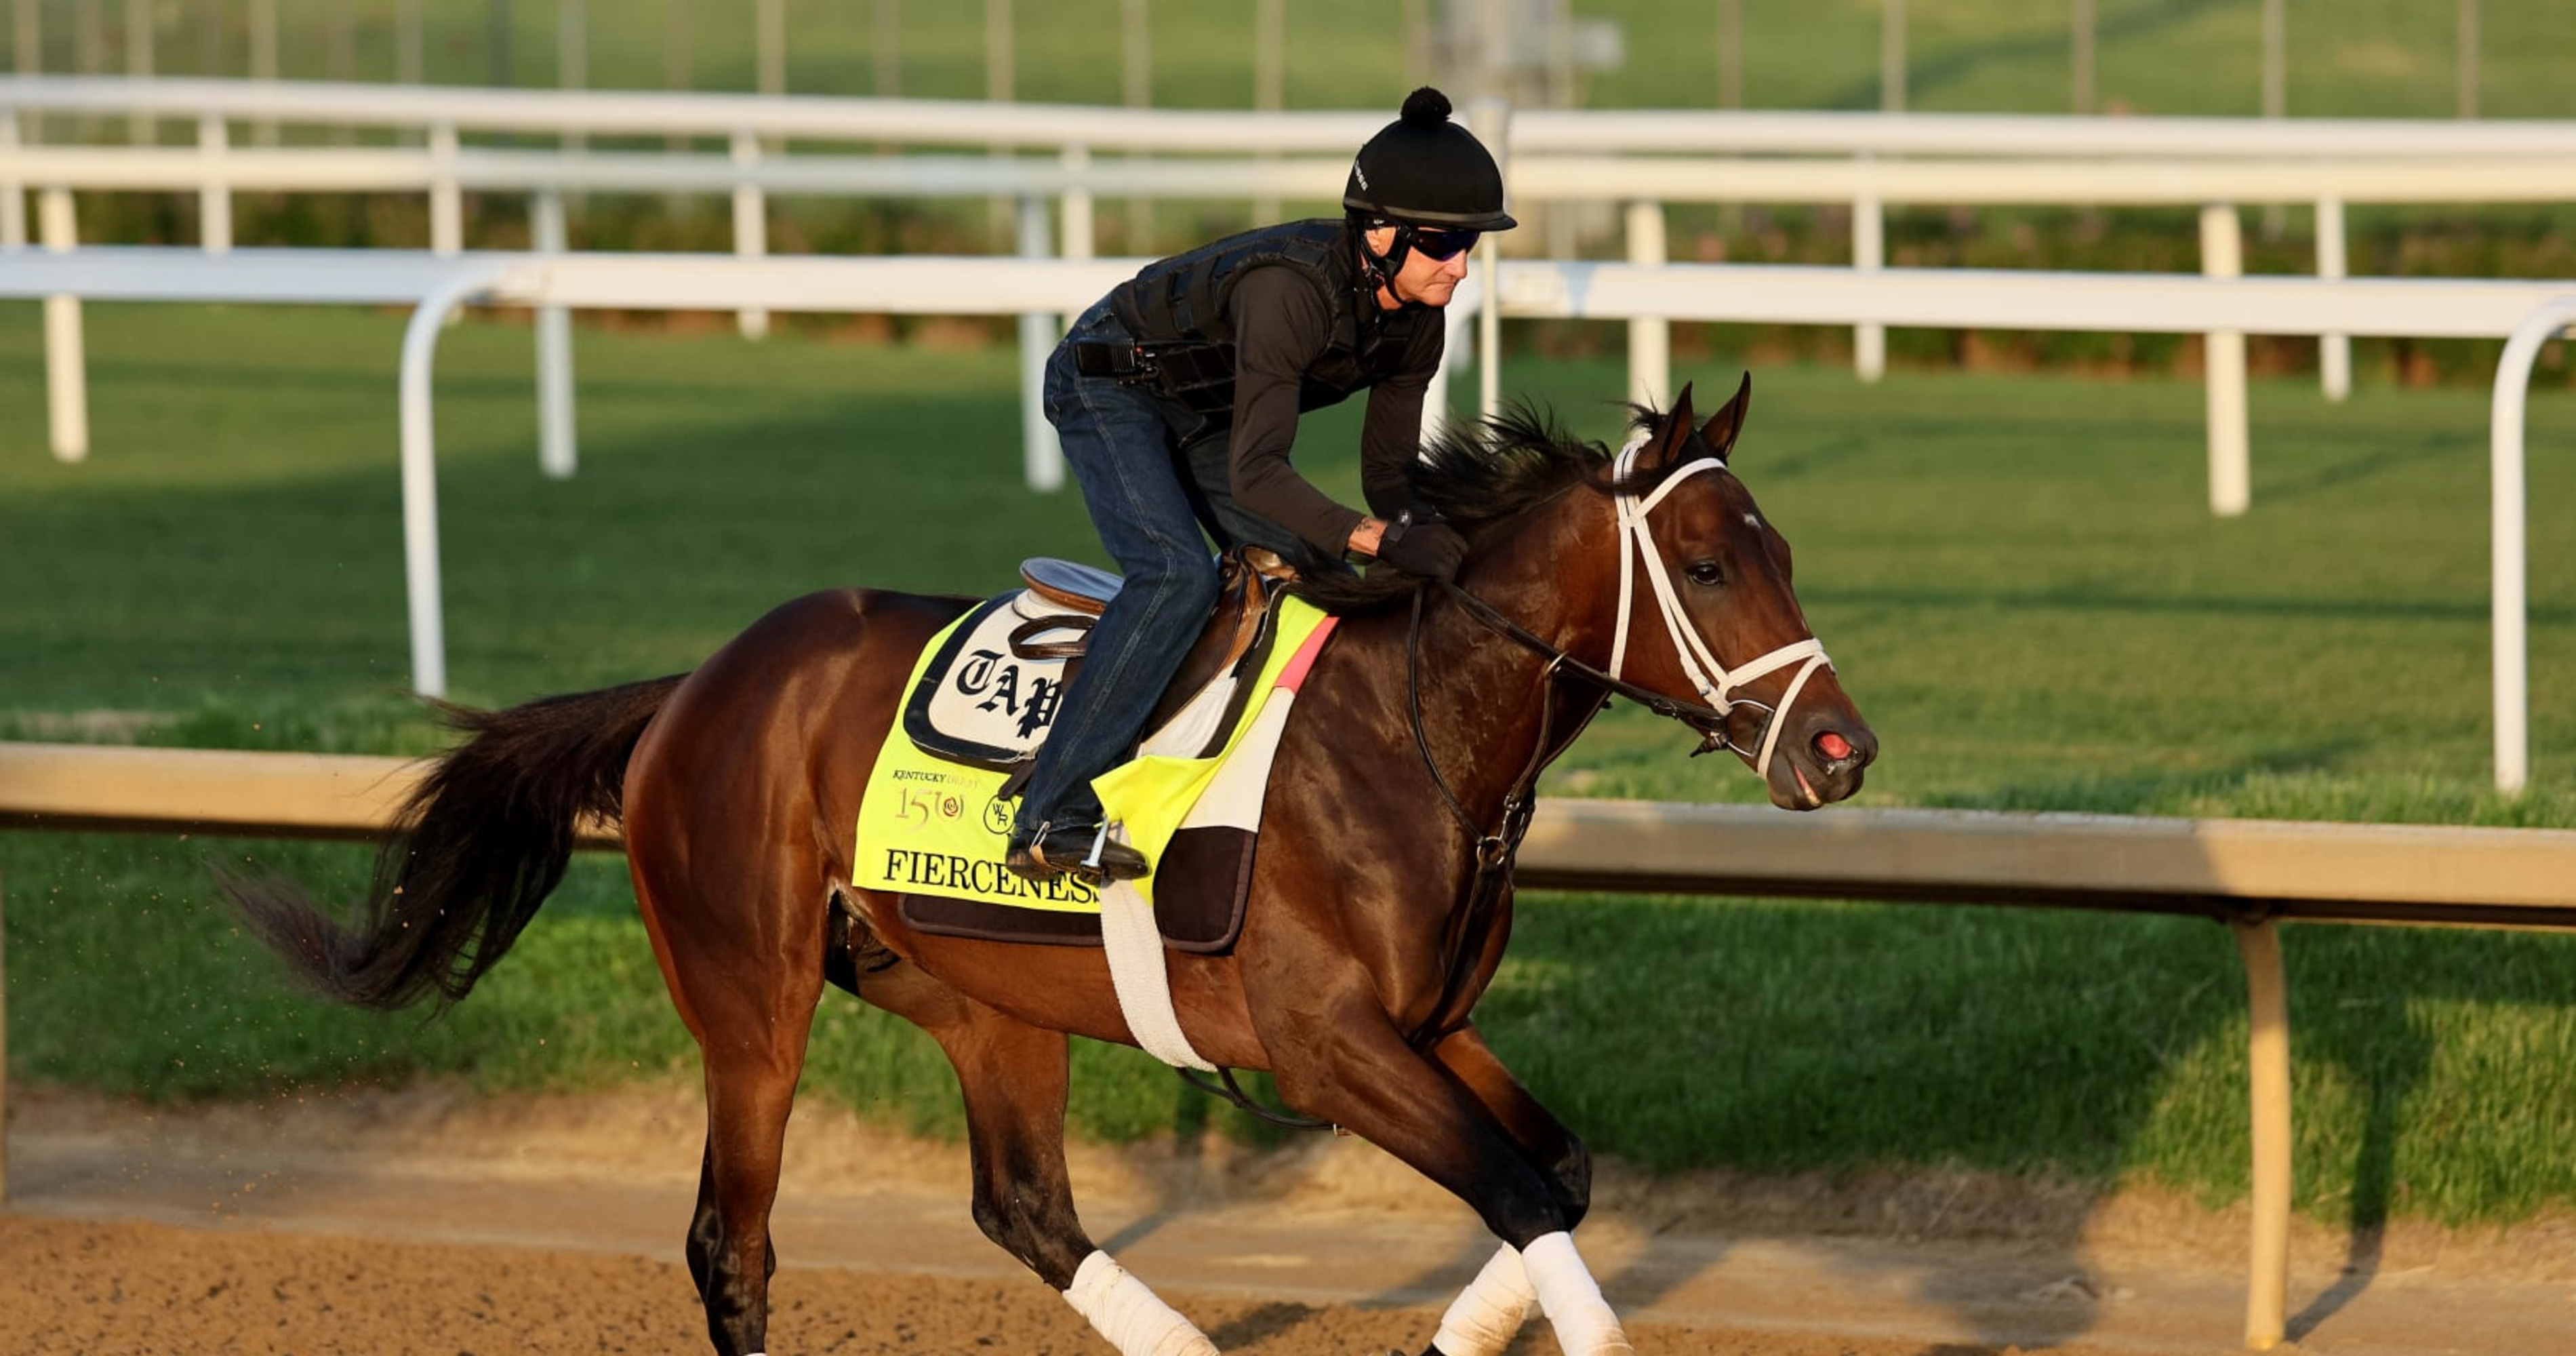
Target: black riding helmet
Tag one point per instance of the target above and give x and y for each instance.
(1425, 172)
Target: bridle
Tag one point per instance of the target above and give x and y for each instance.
(1716, 684)
(1714, 680)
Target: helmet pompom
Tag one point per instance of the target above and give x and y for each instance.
(1426, 107)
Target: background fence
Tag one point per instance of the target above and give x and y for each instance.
(2458, 58)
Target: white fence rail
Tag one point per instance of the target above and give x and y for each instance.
(933, 122)
(1555, 155)
(2525, 312)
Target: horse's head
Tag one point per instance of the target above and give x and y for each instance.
(1668, 586)
(1705, 614)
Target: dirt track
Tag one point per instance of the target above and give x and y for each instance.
(433, 1225)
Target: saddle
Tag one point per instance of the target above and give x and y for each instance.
(987, 699)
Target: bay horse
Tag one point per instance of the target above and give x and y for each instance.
(1381, 896)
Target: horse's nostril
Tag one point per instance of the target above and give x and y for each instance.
(1834, 747)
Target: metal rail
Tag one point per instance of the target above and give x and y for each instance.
(2249, 873)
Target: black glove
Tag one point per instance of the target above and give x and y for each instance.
(1422, 545)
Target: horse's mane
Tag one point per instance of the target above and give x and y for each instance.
(1480, 474)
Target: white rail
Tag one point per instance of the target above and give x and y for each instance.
(931, 122)
(217, 165)
(2525, 312)
(1872, 160)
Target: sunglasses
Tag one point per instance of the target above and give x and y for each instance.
(1443, 246)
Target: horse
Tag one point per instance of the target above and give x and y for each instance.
(1380, 898)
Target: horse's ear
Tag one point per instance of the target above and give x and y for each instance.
(1676, 431)
(1726, 424)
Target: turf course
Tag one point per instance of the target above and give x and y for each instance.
(2017, 577)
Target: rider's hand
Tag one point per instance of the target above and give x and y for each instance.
(1427, 547)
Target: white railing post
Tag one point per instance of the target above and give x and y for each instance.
(1869, 255)
(13, 191)
(410, 51)
(2222, 255)
(66, 358)
(28, 35)
(263, 62)
(1270, 82)
(215, 196)
(1891, 56)
(750, 227)
(1491, 120)
(1080, 228)
(2509, 553)
(2082, 42)
(1453, 351)
(446, 197)
(140, 128)
(1041, 459)
(769, 24)
(2267, 1002)
(1650, 338)
(420, 478)
(572, 58)
(2334, 351)
(557, 454)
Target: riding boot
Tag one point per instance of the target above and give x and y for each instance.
(1082, 850)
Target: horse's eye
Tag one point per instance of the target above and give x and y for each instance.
(1705, 572)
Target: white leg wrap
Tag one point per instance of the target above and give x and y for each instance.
(1584, 1324)
(1123, 1310)
(1488, 1314)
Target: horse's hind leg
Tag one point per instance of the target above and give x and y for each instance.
(1013, 1076)
(751, 1071)
(746, 985)
(729, 1246)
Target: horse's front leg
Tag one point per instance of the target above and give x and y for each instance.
(1341, 1058)
(1014, 1078)
(1489, 1313)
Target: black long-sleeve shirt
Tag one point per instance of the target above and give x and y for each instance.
(1280, 322)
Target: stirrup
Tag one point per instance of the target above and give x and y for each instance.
(1088, 853)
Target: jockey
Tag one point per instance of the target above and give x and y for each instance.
(1177, 398)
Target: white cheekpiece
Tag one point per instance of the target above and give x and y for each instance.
(1584, 1324)
(1123, 1310)
(1489, 1313)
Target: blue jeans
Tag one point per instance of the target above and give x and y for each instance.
(1149, 495)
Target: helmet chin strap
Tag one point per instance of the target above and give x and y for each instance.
(1382, 268)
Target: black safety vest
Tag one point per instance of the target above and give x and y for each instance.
(1176, 308)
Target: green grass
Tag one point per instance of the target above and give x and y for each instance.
(2018, 578)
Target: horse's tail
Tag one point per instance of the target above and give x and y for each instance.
(480, 844)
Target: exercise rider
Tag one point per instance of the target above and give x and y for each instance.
(1177, 398)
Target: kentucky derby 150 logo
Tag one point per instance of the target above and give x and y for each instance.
(919, 805)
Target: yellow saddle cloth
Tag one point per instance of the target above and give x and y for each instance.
(932, 828)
